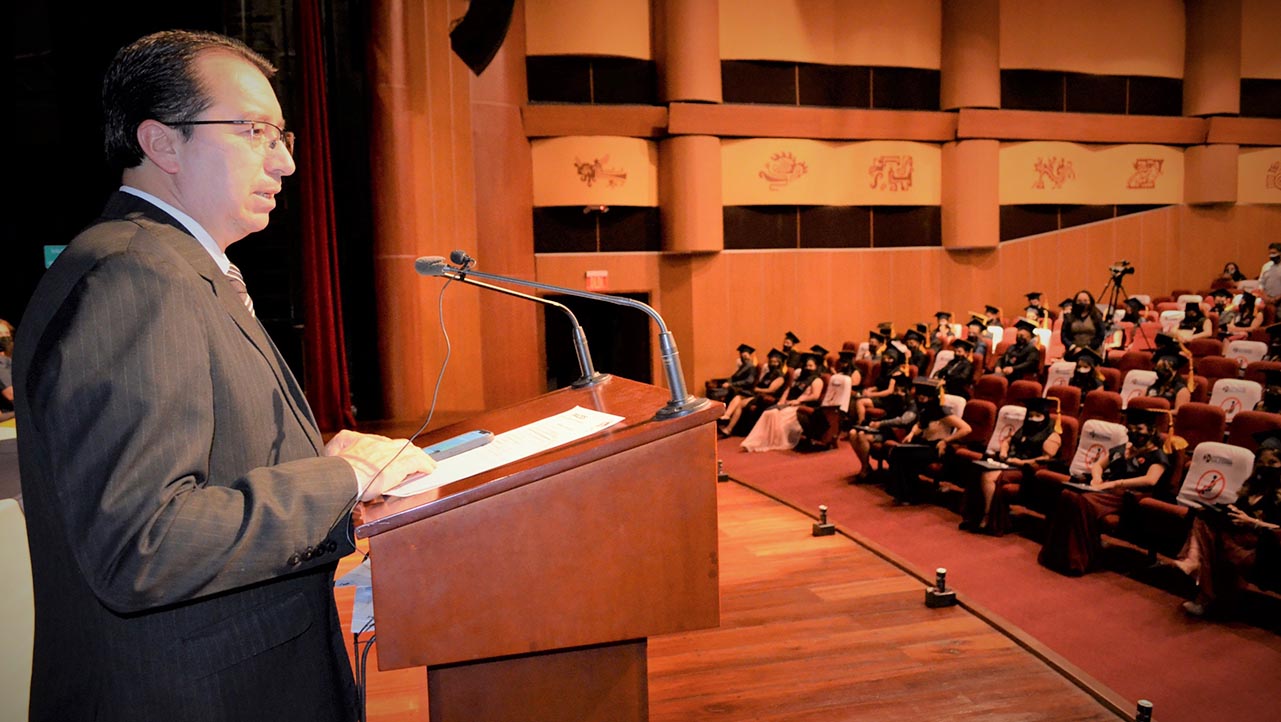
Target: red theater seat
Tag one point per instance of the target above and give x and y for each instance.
(1069, 399)
(1102, 405)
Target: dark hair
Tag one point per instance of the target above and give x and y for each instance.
(153, 78)
(1276, 246)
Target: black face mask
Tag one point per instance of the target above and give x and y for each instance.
(1272, 396)
(1270, 475)
(1036, 424)
(1080, 309)
(1020, 341)
(1138, 438)
(1274, 258)
(1164, 373)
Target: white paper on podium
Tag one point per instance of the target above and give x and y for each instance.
(509, 446)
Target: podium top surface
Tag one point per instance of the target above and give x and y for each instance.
(634, 401)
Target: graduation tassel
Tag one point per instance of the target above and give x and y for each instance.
(1058, 415)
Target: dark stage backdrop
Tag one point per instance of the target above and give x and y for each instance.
(59, 180)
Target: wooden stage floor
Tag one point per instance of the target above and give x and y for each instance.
(813, 629)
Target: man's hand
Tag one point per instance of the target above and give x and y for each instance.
(369, 453)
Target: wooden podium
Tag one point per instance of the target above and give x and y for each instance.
(528, 591)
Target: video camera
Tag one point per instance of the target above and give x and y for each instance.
(1120, 269)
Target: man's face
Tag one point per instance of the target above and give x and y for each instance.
(225, 181)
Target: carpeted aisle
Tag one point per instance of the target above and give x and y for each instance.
(1128, 635)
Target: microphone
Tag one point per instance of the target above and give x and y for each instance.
(681, 403)
(460, 258)
(435, 266)
(430, 265)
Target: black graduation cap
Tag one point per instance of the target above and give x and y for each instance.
(791, 337)
(1176, 359)
(877, 336)
(1272, 377)
(1274, 330)
(913, 334)
(924, 382)
(820, 359)
(744, 348)
(977, 320)
(943, 315)
(1147, 417)
(963, 344)
(992, 310)
(1269, 439)
(1025, 324)
(1088, 354)
(775, 353)
(1221, 293)
(1039, 311)
(1033, 296)
(845, 355)
(1192, 307)
(1166, 341)
(818, 351)
(1041, 405)
(1134, 303)
(1065, 303)
(886, 327)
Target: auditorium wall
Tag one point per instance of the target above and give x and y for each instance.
(830, 96)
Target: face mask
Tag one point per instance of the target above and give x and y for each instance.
(1272, 395)
(1268, 474)
(1138, 438)
(1020, 341)
(1164, 373)
(1080, 308)
(1274, 257)
(1082, 370)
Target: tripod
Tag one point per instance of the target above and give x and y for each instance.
(1115, 293)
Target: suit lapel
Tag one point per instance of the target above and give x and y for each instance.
(181, 242)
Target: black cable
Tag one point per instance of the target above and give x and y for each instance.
(431, 412)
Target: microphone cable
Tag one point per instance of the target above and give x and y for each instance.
(361, 656)
(431, 412)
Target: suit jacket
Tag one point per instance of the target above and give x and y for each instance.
(184, 524)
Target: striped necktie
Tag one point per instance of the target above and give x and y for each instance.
(238, 282)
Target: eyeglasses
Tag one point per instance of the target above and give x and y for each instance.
(264, 136)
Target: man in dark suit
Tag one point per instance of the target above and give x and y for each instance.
(184, 516)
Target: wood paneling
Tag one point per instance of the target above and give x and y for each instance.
(1079, 127)
(1212, 66)
(971, 54)
(504, 231)
(820, 123)
(1210, 174)
(423, 180)
(550, 120)
(1243, 131)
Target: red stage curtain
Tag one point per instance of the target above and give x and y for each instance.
(324, 348)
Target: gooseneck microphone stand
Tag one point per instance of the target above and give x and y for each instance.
(680, 404)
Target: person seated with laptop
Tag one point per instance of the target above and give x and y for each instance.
(1036, 442)
(935, 429)
(1073, 542)
(1237, 543)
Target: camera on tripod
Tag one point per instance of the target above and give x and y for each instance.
(1121, 269)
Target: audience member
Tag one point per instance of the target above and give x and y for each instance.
(1021, 358)
(892, 376)
(789, 348)
(915, 354)
(1195, 323)
(943, 333)
(739, 383)
(1229, 277)
(1237, 543)
(765, 393)
(900, 414)
(778, 428)
(1271, 400)
(1270, 274)
(1072, 543)
(927, 442)
(1083, 326)
(958, 374)
(1088, 374)
(1035, 443)
(1241, 320)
